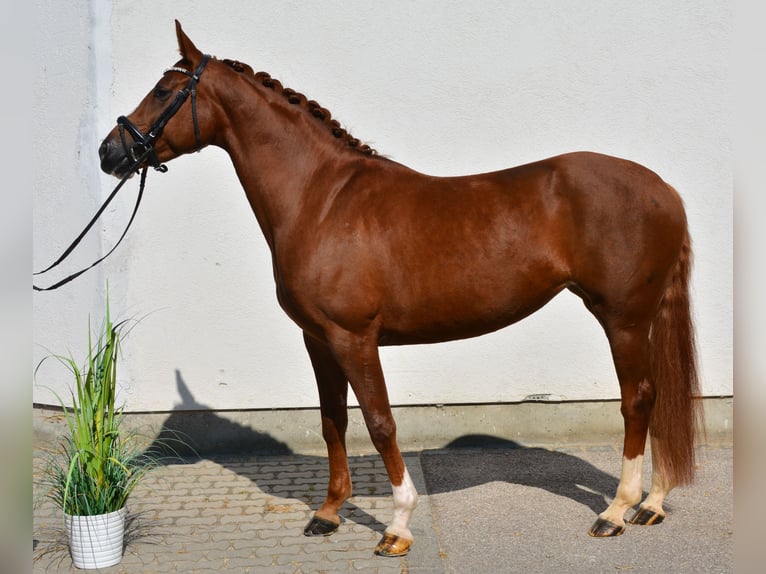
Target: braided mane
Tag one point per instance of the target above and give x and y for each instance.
(296, 98)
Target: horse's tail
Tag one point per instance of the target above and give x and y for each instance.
(677, 413)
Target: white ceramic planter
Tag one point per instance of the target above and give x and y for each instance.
(96, 541)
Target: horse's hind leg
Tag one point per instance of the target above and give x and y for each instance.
(333, 391)
(651, 511)
(630, 347)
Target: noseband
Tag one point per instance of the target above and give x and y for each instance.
(143, 144)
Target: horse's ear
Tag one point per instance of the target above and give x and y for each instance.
(187, 48)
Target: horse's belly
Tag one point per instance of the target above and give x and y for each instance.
(460, 312)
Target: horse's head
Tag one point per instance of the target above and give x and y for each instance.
(168, 122)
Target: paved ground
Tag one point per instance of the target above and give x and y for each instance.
(489, 507)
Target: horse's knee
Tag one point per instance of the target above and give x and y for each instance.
(382, 432)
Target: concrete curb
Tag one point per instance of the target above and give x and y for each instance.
(418, 427)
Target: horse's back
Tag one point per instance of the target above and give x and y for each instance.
(586, 185)
(600, 182)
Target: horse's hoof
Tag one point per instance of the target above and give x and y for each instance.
(320, 527)
(392, 545)
(603, 528)
(646, 516)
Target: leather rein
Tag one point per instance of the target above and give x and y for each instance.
(142, 151)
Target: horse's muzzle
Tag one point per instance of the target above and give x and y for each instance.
(113, 158)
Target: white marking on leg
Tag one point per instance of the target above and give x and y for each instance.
(628, 491)
(405, 501)
(657, 493)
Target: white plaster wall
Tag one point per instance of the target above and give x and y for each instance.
(445, 87)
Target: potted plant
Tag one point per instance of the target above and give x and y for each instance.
(98, 463)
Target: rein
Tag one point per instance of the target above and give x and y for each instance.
(141, 151)
(88, 227)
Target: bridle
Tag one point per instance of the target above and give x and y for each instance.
(143, 144)
(142, 151)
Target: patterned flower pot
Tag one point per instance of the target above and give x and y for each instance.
(96, 541)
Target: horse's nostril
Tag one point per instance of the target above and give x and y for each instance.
(103, 149)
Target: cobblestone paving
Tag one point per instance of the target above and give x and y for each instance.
(522, 509)
(247, 515)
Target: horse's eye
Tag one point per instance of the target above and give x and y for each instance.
(161, 93)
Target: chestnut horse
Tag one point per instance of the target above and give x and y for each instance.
(368, 252)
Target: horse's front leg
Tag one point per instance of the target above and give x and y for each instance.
(333, 391)
(358, 355)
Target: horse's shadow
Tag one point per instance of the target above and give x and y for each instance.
(186, 438)
(193, 430)
(207, 435)
(474, 460)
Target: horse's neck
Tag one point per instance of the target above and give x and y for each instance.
(285, 160)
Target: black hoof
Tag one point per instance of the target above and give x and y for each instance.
(645, 517)
(604, 528)
(320, 527)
